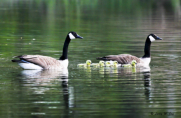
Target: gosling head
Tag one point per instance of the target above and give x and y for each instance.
(108, 63)
(133, 63)
(88, 62)
(115, 63)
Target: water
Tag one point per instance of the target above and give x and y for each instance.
(108, 27)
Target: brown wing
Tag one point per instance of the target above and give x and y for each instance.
(43, 61)
(121, 59)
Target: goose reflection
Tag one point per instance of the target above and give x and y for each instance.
(117, 72)
(44, 82)
(146, 71)
(147, 84)
(45, 73)
(43, 79)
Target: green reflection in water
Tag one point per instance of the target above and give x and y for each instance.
(108, 27)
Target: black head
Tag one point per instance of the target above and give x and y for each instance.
(154, 37)
(73, 35)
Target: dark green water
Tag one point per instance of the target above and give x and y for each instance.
(108, 27)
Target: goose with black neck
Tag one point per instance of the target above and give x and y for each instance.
(46, 62)
(127, 58)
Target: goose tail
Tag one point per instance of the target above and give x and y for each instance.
(16, 60)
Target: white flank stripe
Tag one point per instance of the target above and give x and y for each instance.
(29, 66)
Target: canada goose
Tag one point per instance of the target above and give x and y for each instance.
(108, 63)
(127, 58)
(112, 64)
(87, 64)
(133, 64)
(100, 64)
(45, 62)
(115, 64)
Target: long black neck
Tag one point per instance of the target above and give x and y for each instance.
(147, 48)
(65, 49)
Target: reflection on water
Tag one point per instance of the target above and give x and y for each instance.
(108, 27)
(147, 85)
(44, 78)
(41, 82)
(45, 73)
(115, 71)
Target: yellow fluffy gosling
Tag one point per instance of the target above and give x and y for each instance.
(87, 64)
(133, 64)
(100, 64)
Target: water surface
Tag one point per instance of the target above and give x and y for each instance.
(108, 27)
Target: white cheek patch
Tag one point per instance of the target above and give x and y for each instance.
(151, 38)
(71, 36)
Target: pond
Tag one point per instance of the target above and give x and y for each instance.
(109, 28)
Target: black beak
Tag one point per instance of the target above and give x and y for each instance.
(158, 38)
(79, 37)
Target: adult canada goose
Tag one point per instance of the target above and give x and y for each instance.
(45, 62)
(127, 58)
